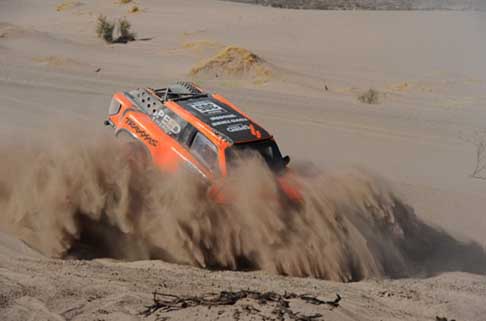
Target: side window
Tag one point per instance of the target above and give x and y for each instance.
(187, 134)
(205, 151)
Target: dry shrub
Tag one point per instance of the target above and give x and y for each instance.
(56, 61)
(67, 5)
(371, 96)
(479, 142)
(134, 9)
(201, 45)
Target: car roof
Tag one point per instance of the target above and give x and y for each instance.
(215, 112)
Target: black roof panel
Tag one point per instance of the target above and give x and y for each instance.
(223, 119)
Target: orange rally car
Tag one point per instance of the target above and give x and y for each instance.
(182, 125)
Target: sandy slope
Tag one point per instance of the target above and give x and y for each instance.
(429, 64)
(44, 289)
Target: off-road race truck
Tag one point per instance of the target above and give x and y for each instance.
(183, 126)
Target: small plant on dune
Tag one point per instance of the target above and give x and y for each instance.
(124, 30)
(371, 96)
(105, 28)
(125, 1)
(134, 9)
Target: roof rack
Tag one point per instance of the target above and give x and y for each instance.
(179, 91)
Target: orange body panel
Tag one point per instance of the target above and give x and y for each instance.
(166, 152)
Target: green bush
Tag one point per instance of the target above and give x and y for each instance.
(105, 28)
(124, 30)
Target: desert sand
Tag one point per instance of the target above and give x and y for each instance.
(56, 81)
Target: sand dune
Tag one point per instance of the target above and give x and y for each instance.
(234, 63)
(56, 79)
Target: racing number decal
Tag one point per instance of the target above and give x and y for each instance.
(142, 133)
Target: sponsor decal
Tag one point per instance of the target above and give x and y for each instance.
(207, 107)
(143, 135)
(237, 128)
(229, 121)
(222, 117)
(167, 123)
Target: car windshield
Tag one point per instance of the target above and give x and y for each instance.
(268, 150)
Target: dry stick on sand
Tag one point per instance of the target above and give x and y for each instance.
(480, 167)
(168, 302)
(478, 139)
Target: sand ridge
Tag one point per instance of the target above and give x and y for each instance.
(234, 63)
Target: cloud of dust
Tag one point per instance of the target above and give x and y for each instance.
(88, 200)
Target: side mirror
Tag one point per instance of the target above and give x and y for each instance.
(286, 160)
(109, 123)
